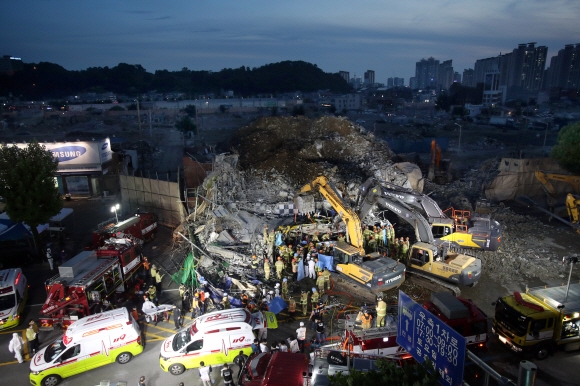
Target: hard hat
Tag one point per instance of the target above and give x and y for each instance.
(319, 273)
(153, 266)
(253, 256)
(271, 292)
(284, 280)
(313, 289)
(380, 298)
(279, 258)
(301, 324)
(225, 294)
(277, 285)
(196, 295)
(295, 255)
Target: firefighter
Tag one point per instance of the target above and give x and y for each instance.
(391, 233)
(314, 298)
(320, 283)
(326, 276)
(279, 267)
(405, 248)
(304, 302)
(381, 312)
(225, 302)
(366, 319)
(277, 288)
(366, 235)
(315, 237)
(152, 292)
(372, 244)
(285, 289)
(266, 268)
(153, 271)
(145, 272)
(341, 237)
(158, 279)
(245, 299)
(195, 309)
(295, 267)
(326, 236)
(291, 309)
(255, 266)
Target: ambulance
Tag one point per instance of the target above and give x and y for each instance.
(13, 296)
(88, 343)
(214, 338)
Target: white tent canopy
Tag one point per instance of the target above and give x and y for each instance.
(64, 213)
(41, 228)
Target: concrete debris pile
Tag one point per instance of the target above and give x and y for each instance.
(300, 149)
(523, 255)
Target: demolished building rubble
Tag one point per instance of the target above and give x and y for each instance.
(272, 158)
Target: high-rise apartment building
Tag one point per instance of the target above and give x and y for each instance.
(445, 75)
(426, 71)
(345, 75)
(369, 77)
(395, 82)
(9, 64)
(467, 79)
(564, 68)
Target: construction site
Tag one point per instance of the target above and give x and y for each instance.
(246, 186)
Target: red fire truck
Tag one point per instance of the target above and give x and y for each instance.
(89, 280)
(463, 316)
(141, 227)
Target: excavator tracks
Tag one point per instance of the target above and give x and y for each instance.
(431, 283)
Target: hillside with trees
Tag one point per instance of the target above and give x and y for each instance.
(48, 80)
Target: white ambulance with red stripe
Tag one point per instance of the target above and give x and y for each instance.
(90, 342)
(214, 338)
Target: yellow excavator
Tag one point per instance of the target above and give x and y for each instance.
(372, 271)
(572, 200)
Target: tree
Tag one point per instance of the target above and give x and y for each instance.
(117, 108)
(443, 102)
(27, 185)
(185, 124)
(190, 110)
(567, 149)
(390, 374)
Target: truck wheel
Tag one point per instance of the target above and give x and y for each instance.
(51, 380)
(124, 357)
(176, 369)
(542, 352)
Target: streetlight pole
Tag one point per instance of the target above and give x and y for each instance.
(545, 134)
(115, 208)
(459, 146)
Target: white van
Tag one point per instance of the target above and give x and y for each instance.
(13, 296)
(214, 338)
(90, 342)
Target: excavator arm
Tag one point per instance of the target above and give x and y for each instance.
(422, 228)
(545, 178)
(352, 221)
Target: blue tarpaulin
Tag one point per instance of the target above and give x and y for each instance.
(325, 261)
(300, 270)
(279, 239)
(277, 304)
(13, 231)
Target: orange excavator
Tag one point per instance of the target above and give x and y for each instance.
(439, 169)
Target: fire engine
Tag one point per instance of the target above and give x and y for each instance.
(139, 228)
(89, 280)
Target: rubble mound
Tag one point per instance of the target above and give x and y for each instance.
(300, 148)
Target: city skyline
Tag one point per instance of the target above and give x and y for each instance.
(388, 38)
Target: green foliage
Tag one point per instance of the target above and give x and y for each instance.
(132, 107)
(190, 110)
(52, 81)
(185, 124)
(390, 374)
(27, 184)
(458, 110)
(567, 150)
(117, 108)
(443, 102)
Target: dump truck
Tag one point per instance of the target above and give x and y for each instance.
(540, 320)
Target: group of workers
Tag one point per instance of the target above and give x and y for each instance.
(366, 319)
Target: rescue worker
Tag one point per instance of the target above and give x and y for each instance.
(381, 312)
(291, 309)
(255, 266)
(326, 236)
(153, 271)
(375, 234)
(177, 317)
(49, 258)
(158, 279)
(301, 337)
(315, 237)
(145, 273)
(285, 289)
(279, 267)
(314, 298)
(391, 233)
(366, 235)
(320, 283)
(201, 302)
(405, 248)
(366, 319)
(135, 314)
(240, 361)
(266, 268)
(326, 276)
(245, 299)
(148, 308)
(317, 267)
(320, 335)
(341, 237)
(277, 289)
(195, 309)
(227, 375)
(15, 347)
(225, 302)
(152, 292)
(295, 267)
(372, 244)
(304, 302)
(311, 268)
(383, 236)
(32, 340)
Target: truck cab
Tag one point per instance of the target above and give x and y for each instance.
(280, 368)
(374, 271)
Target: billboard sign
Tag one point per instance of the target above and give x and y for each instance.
(425, 336)
(78, 156)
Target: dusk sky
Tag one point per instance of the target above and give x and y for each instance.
(388, 37)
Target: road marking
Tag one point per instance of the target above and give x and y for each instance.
(9, 363)
(155, 336)
(164, 329)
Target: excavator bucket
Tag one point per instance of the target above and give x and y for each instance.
(304, 204)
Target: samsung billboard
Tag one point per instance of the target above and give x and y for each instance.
(78, 156)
